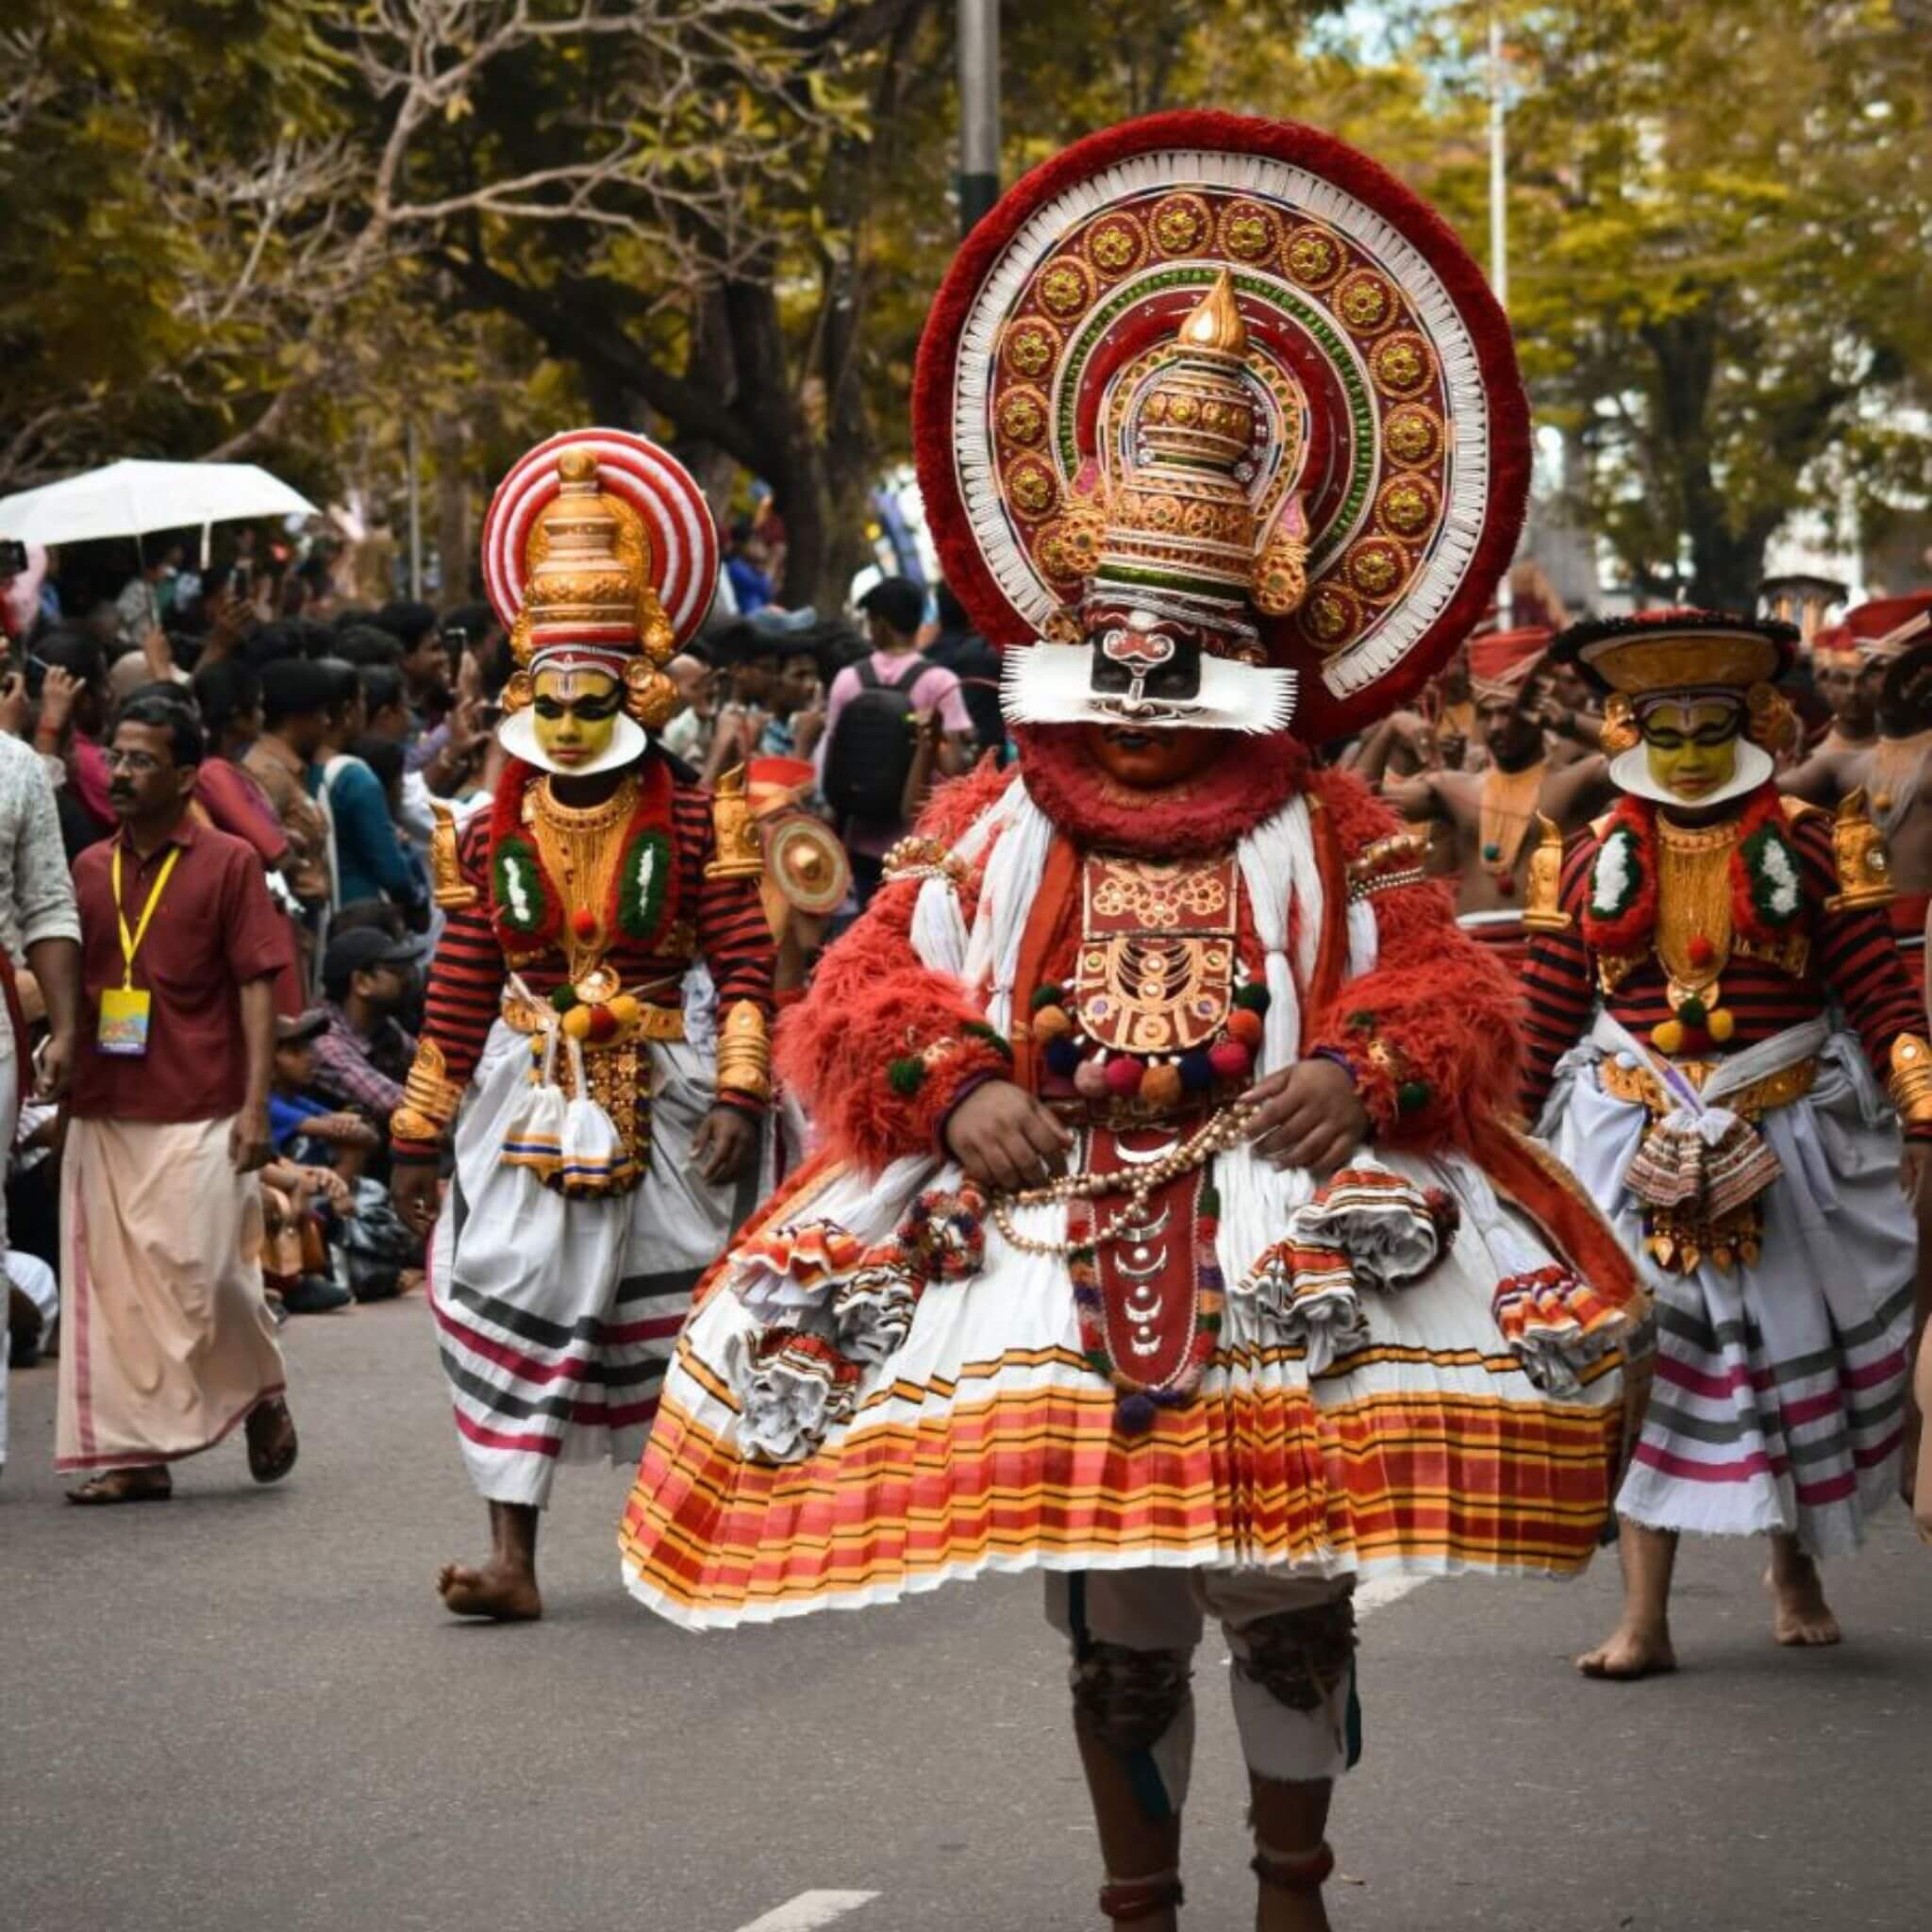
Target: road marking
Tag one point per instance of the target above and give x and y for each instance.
(809, 1910)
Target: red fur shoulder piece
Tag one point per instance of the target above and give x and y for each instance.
(1232, 795)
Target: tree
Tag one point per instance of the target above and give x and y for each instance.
(1720, 215)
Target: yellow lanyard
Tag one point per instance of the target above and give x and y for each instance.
(130, 944)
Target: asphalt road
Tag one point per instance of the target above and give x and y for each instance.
(244, 1711)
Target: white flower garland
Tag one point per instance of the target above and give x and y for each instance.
(1610, 880)
(514, 884)
(1774, 862)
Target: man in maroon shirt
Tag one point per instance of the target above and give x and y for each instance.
(168, 1342)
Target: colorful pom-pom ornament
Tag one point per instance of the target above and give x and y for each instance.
(1702, 951)
(564, 998)
(1666, 1035)
(1048, 996)
(1230, 1060)
(626, 1009)
(1089, 1080)
(1161, 1086)
(906, 1077)
(1062, 1055)
(1049, 1023)
(1197, 1071)
(1246, 1025)
(603, 1022)
(583, 923)
(1692, 1011)
(1723, 1025)
(576, 1022)
(1124, 1074)
(1254, 997)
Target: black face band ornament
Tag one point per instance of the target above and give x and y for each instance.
(1145, 670)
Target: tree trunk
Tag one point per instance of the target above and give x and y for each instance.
(449, 437)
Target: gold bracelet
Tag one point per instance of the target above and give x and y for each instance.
(744, 1052)
(1911, 1079)
(430, 1098)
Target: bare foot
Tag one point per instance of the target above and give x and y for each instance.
(272, 1443)
(1799, 1614)
(1632, 1651)
(497, 1591)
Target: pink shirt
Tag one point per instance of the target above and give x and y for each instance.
(935, 689)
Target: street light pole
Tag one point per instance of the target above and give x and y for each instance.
(980, 109)
(1499, 231)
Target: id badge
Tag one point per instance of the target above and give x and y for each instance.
(123, 1027)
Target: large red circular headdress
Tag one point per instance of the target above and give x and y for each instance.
(1388, 396)
(680, 535)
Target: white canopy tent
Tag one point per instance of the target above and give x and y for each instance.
(132, 498)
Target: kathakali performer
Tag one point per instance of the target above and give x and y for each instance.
(601, 1159)
(1164, 1234)
(1689, 1064)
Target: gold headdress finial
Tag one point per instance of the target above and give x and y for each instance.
(1217, 324)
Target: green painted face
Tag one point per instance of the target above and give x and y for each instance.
(1692, 750)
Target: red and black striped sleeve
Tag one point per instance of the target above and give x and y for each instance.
(1558, 993)
(1855, 953)
(734, 937)
(466, 976)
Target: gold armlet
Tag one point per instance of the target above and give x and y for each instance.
(1911, 1079)
(430, 1098)
(744, 1052)
(918, 857)
(451, 890)
(738, 854)
(1388, 864)
(1543, 909)
(1864, 872)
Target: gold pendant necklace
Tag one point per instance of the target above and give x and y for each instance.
(1508, 803)
(581, 847)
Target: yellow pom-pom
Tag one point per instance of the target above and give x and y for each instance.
(626, 1009)
(1051, 1021)
(576, 1022)
(1666, 1035)
(1721, 1024)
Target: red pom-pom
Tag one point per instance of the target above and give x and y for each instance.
(583, 923)
(1124, 1076)
(1506, 885)
(603, 1022)
(1230, 1059)
(1246, 1025)
(1702, 951)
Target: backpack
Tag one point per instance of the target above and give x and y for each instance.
(870, 757)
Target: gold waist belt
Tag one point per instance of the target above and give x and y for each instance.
(652, 1023)
(1750, 1103)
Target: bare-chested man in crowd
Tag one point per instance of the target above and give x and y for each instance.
(1493, 814)
(1894, 639)
(1846, 692)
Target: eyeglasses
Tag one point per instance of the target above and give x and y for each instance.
(135, 760)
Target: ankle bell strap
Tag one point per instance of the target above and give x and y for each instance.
(1124, 1900)
(1303, 1872)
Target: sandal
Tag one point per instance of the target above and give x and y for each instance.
(272, 1442)
(124, 1486)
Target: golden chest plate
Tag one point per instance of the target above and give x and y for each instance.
(1155, 971)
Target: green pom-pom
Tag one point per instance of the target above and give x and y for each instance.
(1362, 1023)
(1210, 1204)
(1097, 1361)
(1692, 1012)
(978, 1029)
(1210, 1325)
(1411, 1095)
(906, 1076)
(564, 998)
(1048, 996)
(1254, 997)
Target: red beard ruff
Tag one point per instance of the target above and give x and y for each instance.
(1247, 780)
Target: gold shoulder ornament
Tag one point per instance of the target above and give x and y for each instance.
(736, 851)
(1386, 865)
(1542, 909)
(451, 890)
(1864, 872)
